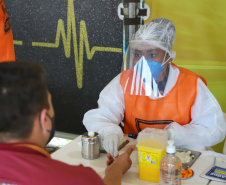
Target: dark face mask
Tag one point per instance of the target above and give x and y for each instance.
(52, 131)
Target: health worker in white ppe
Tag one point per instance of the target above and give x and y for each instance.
(154, 92)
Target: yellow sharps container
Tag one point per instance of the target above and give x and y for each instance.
(151, 144)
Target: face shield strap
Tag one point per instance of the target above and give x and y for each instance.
(164, 60)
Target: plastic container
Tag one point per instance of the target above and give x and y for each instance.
(170, 167)
(151, 144)
(90, 145)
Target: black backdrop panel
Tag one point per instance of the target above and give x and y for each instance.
(79, 43)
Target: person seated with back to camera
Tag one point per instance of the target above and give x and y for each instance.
(26, 126)
(154, 92)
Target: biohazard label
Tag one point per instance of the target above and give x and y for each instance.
(146, 158)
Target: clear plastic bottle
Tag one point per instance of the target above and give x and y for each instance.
(170, 167)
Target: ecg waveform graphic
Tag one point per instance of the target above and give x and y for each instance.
(71, 34)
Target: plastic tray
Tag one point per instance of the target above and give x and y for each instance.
(195, 153)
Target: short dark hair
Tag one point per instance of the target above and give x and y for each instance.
(23, 94)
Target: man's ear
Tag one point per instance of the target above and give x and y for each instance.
(43, 119)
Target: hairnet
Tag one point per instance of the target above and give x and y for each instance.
(159, 33)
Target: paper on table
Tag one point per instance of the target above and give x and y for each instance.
(217, 171)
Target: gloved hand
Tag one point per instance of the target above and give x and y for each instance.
(110, 144)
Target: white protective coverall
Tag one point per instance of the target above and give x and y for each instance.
(207, 128)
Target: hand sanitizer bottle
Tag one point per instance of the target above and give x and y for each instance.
(170, 167)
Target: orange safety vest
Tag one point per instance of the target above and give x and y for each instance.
(6, 36)
(142, 112)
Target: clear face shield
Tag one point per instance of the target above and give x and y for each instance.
(148, 56)
(148, 72)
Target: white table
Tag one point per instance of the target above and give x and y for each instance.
(71, 154)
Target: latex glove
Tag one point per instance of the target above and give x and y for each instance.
(110, 144)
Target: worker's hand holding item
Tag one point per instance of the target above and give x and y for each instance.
(110, 144)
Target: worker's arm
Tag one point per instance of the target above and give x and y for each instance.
(207, 126)
(106, 118)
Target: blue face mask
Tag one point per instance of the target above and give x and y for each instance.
(156, 68)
